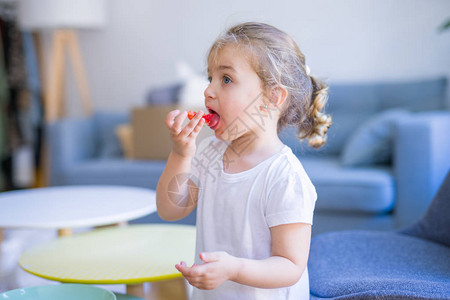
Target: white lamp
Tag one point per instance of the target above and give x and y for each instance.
(63, 17)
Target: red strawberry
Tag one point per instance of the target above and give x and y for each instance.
(207, 117)
(191, 114)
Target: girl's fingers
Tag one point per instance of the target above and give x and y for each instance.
(170, 118)
(181, 266)
(197, 284)
(176, 127)
(193, 123)
(197, 128)
(174, 121)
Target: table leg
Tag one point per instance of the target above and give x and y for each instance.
(136, 290)
(64, 232)
(168, 290)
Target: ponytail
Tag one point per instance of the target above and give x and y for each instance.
(305, 111)
(319, 122)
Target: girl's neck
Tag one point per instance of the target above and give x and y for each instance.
(249, 150)
(251, 144)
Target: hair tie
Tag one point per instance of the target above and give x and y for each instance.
(308, 70)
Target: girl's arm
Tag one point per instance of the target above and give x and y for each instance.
(176, 195)
(290, 250)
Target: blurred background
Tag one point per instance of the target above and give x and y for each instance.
(126, 49)
(85, 86)
(343, 41)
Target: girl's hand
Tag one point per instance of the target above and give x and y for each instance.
(218, 268)
(184, 138)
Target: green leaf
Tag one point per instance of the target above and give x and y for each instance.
(445, 26)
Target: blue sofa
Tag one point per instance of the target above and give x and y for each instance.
(397, 126)
(383, 194)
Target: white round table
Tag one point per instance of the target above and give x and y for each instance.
(67, 207)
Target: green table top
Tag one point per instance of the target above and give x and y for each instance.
(59, 292)
(120, 255)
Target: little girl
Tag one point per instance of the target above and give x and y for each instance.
(254, 200)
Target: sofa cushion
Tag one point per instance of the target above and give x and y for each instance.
(349, 105)
(420, 95)
(116, 171)
(371, 264)
(108, 142)
(373, 142)
(368, 190)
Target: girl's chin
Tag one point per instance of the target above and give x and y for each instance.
(219, 134)
(223, 137)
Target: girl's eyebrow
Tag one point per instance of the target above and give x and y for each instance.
(224, 67)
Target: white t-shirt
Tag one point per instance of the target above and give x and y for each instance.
(235, 213)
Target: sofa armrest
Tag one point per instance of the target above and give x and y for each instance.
(421, 161)
(69, 141)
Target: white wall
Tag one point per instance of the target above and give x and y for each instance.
(343, 40)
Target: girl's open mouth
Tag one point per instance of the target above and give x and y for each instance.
(215, 119)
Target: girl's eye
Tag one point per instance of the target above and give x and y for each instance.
(209, 79)
(226, 80)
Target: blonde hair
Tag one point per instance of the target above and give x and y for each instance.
(278, 61)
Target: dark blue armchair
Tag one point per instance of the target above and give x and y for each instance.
(413, 263)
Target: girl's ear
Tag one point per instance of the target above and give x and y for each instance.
(278, 96)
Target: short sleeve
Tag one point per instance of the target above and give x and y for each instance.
(291, 200)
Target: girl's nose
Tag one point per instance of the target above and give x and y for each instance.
(209, 92)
